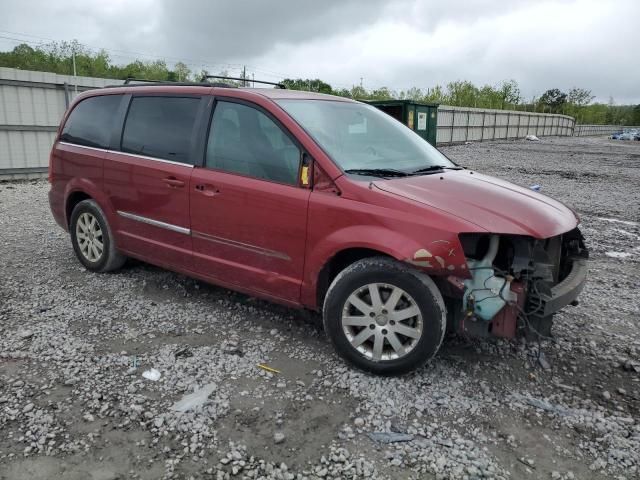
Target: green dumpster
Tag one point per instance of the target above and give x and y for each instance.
(422, 118)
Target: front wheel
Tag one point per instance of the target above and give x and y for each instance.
(384, 317)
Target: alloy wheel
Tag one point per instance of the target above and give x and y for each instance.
(382, 322)
(89, 237)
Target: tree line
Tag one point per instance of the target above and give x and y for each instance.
(58, 57)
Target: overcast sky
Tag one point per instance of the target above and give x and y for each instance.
(592, 44)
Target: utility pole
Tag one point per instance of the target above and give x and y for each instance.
(244, 76)
(360, 82)
(75, 76)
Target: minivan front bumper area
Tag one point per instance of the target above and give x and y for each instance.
(566, 292)
(518, 283)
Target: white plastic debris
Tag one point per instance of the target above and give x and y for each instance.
(617, 254)
(153, 375)
(195, 399)
(532, 138)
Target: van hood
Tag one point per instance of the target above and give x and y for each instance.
(493, 205)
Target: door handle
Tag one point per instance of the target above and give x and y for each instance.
(208, 190)
(173, 182)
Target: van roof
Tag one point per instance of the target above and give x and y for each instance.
(203, 89)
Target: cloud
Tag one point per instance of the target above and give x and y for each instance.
(226, 31)
(398, 44)
(539, 44)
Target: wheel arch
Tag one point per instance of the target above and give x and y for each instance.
(79, 189)
(338, 262)
(74, 199)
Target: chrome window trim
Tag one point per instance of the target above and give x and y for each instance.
(144, 157)
(155, 223)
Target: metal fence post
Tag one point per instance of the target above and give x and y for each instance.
(508, 122)
(466, 137)
(453, 122)
(484, 115)
(66, 95)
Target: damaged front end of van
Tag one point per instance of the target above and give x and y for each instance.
(515, 283)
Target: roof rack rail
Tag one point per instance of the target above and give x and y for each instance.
(243, 80)
(128, 80)
(167, 83)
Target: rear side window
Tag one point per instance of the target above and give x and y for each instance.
(91, 121)
(160, 127)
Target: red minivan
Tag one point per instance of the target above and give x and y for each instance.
(316, 202)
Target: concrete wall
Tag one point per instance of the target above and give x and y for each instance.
(31, 106)
(461, 124)
(594, 130)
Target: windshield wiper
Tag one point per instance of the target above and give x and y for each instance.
(434, 168)
(378, 172)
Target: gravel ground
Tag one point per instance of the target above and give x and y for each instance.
(74, 345)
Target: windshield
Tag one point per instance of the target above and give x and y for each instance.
(361, 137)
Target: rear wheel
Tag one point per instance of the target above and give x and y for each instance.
(92, 239)
(384, 317)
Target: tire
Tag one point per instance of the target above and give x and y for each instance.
(89, 229)
(385, 349)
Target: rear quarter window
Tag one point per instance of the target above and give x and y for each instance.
(160, 127)
(91, 121)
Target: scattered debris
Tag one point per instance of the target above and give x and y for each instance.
(195, 399)
(152, 374)
(535, 188)
(278, 437)
(542, 360)
(25, 334)
(542, 404)
(267, 368)
(184, 352)
(231, 347)
(532, 138)
(617, 220)
(617, 254)
(390, 437)
(527, 461)
(445, 406)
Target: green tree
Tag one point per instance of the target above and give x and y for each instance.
(57, 57)
(381, 94)
(462, 93)
(413, 93)
(312, 85)
(579, 96)
(553, 100)
(435, 95)
(182, 72)
(509, 93)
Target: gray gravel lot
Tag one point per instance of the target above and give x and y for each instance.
(74, 345)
